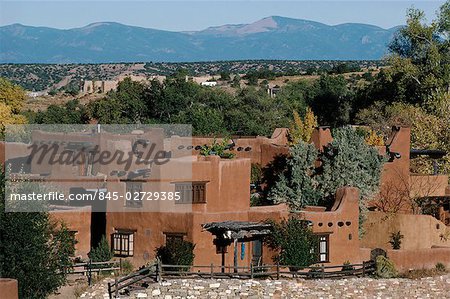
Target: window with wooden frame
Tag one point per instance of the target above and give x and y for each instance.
(133, 188)
(191, 192)
(123, 243)
(174, 237)
(323, 248)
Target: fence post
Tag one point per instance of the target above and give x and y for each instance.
(116, 291)
(364, 269)
(251, 270)
(109, 290)
(212, 271)
(120, 265)
(323, 271)
(159, 271)
(89, 265)
(278, 270)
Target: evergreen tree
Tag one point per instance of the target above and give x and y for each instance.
(101, 253)
(297, 185)
(34, 249)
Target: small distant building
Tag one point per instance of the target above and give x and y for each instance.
(92, 86)
(209, 83)
(35, 94)
(273, 90)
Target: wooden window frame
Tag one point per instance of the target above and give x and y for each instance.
(323, 238)
(120, 238)
(191, 192)
(136, 204)
(169, 235)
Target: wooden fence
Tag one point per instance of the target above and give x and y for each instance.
(156, 272)
(90, 267)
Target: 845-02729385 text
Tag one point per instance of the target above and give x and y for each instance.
(98, 195)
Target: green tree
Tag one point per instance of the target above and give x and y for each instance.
(333, 101)
(101, 253)
(295, 242)
(71, 112)
(34, 249)
(349, 161)
(419, 64)
(297, 185)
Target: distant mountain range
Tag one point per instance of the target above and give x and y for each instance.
(275, 38)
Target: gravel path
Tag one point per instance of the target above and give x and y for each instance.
(430, 287)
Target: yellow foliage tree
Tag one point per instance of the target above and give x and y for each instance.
(374, 139)
(301, 130)
(9, 118)
(12, 95)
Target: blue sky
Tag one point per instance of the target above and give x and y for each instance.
(196, 15)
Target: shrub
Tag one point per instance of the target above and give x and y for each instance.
(295, 242)
(177, 252)
(127, 267)
(396, 240)
(101, 253)
(217, 148)
(441, 267)
(385, 267)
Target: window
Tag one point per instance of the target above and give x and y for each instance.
(133, 195)
(123, 243)
(323, 249)
(191, 192)
(170, 237)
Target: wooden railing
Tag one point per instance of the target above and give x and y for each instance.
(157, 271)
(87, 268)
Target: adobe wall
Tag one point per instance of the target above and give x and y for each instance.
(78, 220)
(396, 173)
(227, 198)
(259, 149)
(9, 288)
(405, 260)
(428, 185)
(149, 229)
(321, 137)
(420, 231)
(341, 223)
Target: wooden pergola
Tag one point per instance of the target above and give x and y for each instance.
(228, 232)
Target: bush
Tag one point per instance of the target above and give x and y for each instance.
(127, 267)
(385, 267)
(295, 242)
(177, 252)
(396, 240)
(101, 253)
(441, 267)
(217, 148)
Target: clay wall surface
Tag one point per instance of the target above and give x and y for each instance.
(428, 185)
(341, 223)
(420, 231)
(79, 221)
(405, 260)
(259, 149)
(9, 288)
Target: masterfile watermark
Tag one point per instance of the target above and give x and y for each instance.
(114, 168)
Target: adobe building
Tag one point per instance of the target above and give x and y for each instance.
(218, 190)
